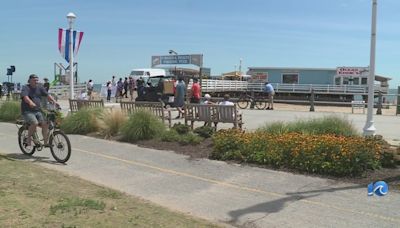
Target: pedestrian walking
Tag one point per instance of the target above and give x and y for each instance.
(180, 92)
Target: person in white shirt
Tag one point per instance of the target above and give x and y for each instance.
(207, 98)
(89, 89)
(226, 100)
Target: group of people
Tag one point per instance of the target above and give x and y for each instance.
(123, 87)
(180, 92)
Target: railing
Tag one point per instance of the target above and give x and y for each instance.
(63, 90)
(227, 85)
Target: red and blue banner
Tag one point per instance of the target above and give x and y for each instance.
(63, 42)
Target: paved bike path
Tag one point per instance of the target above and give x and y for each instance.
(217, 191)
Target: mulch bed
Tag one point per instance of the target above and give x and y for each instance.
(203, 150)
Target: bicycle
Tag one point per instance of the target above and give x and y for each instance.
(59, 143)
(246, 99)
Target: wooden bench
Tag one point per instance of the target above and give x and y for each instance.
(156, 108)
(213, 114)
(76, 105)
(357, 104)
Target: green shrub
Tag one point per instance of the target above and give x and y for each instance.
(82, 122)
(326, 125)
(10, 111)
(142, 125)
(181, 128)
(275, 128)
(170, 136)
(322, 154)
(190, 139)
(204, 131)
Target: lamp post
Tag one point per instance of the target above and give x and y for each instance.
(369, 128)
(174, 53)
(71, 18)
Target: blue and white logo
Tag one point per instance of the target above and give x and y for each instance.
(380, 188)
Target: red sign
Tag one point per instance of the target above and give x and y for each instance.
(352, 71)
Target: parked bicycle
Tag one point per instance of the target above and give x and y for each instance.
(59, 143)
(246, 99)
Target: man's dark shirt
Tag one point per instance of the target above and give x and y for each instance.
(35, 94)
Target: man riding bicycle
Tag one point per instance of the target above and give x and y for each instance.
(31, 95)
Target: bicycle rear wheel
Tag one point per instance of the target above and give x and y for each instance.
(22, 141)
(60, 146)
(261, 104)
(242, 103)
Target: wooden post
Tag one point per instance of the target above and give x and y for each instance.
(379, 110)
(312, 98)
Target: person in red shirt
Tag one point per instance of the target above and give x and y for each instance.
(196, 91)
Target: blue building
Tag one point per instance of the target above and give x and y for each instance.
(354, 76)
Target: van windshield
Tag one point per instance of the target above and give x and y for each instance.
(139, 73)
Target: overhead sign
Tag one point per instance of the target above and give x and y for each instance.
(177, 59)
(351, 71)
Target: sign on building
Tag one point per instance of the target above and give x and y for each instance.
(196, 59)
(350, 71)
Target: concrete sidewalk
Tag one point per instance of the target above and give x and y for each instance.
(220, 192)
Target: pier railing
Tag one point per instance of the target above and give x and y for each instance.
(230, 86)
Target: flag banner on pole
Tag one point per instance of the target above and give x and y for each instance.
(63, 42)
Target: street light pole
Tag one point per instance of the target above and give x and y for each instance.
(71, 17)
(369, 128)
(175, 53)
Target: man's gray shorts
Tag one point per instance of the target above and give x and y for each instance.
(33, 117)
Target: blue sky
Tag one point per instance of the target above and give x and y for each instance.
(121, 35)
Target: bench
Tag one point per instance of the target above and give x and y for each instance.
(156, 108)
(213, 114)
(357, 104)
(76, 105)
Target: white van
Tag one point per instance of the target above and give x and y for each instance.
(145, 73)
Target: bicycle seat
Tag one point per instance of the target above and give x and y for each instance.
(20, 121)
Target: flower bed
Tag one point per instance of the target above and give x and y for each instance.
(322, 154)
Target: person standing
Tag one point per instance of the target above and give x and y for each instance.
(120, 87)
(113, 82)
(109, 90)
(46, 84)
(196, 91)
(126, 84)
(140, 86)
(269, 89)
(131, 87)
(89, 88)
(180, 92)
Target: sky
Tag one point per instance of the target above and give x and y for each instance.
(121, 35)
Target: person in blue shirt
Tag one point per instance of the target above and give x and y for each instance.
(180, 92)
(271, 93)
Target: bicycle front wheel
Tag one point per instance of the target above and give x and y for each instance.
(22, 141)
(242, 103)
(60, 146)
(261, 104)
